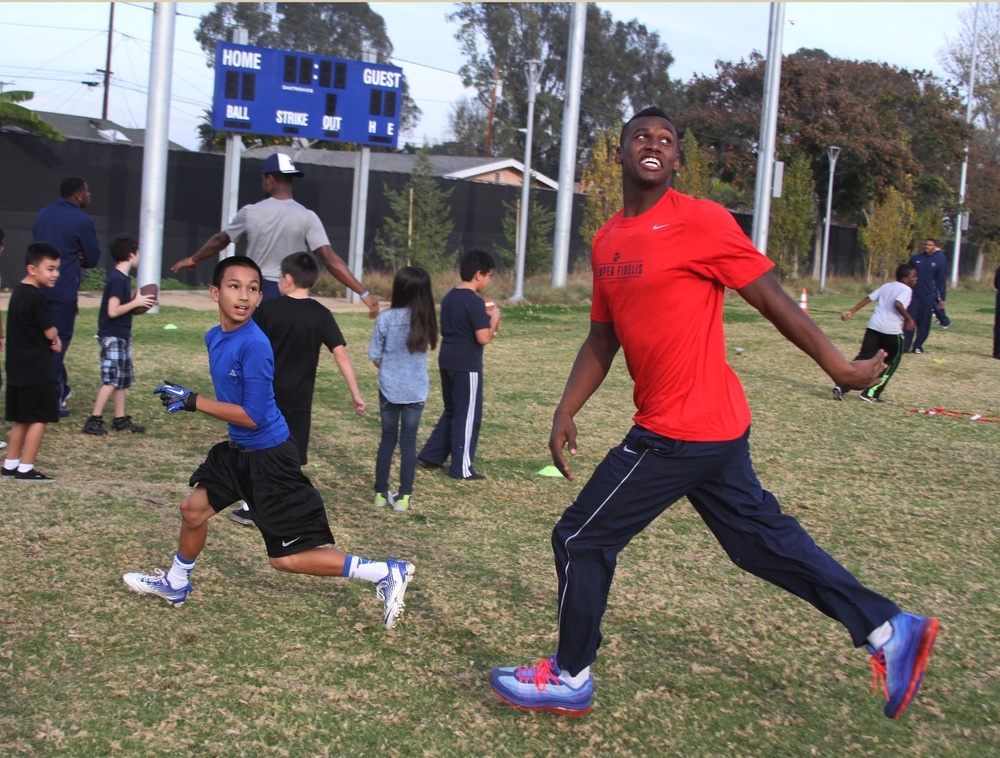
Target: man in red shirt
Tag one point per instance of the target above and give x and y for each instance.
(673, 256)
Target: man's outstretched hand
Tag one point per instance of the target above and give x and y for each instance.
(176, 398)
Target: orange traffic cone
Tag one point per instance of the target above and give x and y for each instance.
(804, 301)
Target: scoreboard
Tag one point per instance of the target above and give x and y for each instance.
(288, 94)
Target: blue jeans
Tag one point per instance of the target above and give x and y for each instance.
(406, 435)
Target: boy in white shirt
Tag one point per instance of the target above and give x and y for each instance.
(885, 328)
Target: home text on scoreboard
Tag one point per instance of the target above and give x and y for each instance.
(289, 94)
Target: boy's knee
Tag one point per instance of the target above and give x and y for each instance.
(195, 508)
(283, 563)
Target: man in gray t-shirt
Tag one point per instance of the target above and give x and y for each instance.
(278, 226)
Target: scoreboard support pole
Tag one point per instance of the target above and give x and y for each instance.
(231, 174)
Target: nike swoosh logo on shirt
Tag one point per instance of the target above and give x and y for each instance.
(659, 226)
(286, 544)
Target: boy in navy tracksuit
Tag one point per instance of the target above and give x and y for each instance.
(465, 327)
(928, 295)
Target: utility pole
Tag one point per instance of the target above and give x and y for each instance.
(154, 150)
(533, 70)
(107, 63)
(493, 106)
(768, 129)
(963, 217)
(568, 151)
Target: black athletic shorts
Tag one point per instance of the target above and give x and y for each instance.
(33, 403)
(287, 509)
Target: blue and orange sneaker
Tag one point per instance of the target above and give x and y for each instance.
(899, 664)
(539, 688)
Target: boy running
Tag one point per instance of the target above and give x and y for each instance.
(885, 328)
(259, 463)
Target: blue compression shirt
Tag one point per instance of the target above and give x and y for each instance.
(242, 367)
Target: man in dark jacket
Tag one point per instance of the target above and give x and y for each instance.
(928, 295)
(70, 230)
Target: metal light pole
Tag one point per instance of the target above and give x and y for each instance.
(768, 130)
(833, 152)
(533, 70)
(962, 215)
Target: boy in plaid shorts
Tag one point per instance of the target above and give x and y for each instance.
(114, 331)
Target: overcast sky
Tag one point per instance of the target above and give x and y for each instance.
(53, 48)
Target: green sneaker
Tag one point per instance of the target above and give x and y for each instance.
(381, 499)
(400, 503)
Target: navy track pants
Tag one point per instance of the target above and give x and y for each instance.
(641, 478)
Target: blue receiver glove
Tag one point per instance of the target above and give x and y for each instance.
(176, 398)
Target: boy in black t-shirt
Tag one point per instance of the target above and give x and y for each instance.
(114, 332)
(32, 389)
(297, 327)
(466, 326)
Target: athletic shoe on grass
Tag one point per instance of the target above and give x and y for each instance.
(399, 502)
(381, 499)
(34, 475)
(242, 515)
(157, 584)
(392, 588)
(539, 688)
(838, 394)
(899, 664)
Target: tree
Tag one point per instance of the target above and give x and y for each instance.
(538, 249)
(13, 114)
(695, 176)
(886, 235)
(893, 125)
(418, 233)
(340, 30)
(466, 128)
(793, 218)
(957, 58)
(601, 182)
(983, 192)
(624, 69)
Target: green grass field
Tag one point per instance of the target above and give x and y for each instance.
(699, 658)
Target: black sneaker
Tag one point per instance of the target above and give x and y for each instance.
(32, 476)
(124, 424)
(838, 394)
(242, 515)
(95, 426)
(10, 472)
(427, 464)
(471, 478)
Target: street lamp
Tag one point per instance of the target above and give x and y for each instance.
(832, 152)
(533, 70)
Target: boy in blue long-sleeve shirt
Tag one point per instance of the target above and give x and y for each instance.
(259, 463)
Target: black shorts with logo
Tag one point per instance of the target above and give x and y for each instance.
(287, 509)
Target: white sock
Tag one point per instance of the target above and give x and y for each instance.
(180, 572)
(575, 681)
(25, 467)
(362, 568)
(880, 635)
(11, 464)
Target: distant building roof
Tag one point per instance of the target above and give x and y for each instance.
(97, 130)
(490, 170)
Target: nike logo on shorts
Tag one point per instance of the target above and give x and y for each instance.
(629, 451)
(290, 542)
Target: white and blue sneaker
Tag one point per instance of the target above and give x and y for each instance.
(539, 688)
(392, 588)
(157, 584)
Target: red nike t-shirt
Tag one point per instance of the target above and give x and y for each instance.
(660, 279)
